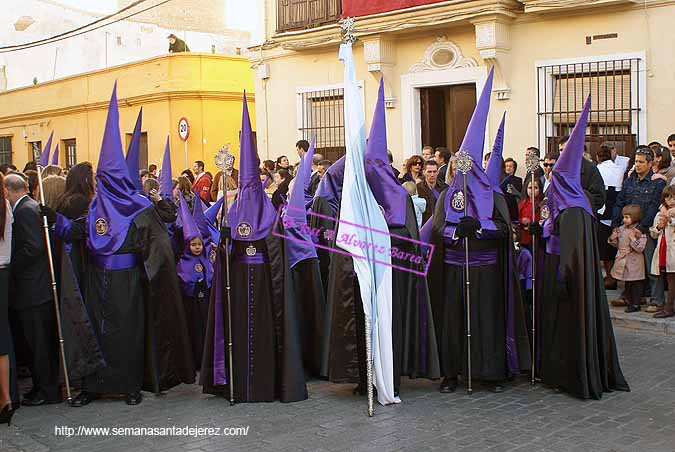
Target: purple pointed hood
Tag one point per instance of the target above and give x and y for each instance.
(190, 229)
(388, 192)
(192, 268)
(44, 157)
(211, 213)
(134, 153)
(117, 202)
(252, 214)
(479, 196)
(165, 182)
(55, 156)
(330, 187)
(494, 167)
(299, 242)
(207, 230)
(565, 190)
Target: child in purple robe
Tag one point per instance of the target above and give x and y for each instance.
(195, 272)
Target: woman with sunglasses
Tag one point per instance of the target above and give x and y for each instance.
(413, 169)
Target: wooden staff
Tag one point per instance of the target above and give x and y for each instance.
(55, 296)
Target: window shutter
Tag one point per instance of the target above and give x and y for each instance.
(610, 97)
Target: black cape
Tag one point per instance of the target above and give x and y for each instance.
(321, 207)
(80, 342)
(578, 346)
(413, 334)
(304, 286)
(267, 357)
(147, 296)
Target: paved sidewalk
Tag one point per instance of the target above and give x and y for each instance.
(521, 419)
(640, 321)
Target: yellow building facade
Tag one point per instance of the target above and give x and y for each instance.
(435, 57)
(204, 88)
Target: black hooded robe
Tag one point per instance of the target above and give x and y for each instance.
(137, 315)
(196, 309)
(578, 346)
(490, 286)
(267, 359)
(306, 289)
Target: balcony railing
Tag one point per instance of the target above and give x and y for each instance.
(302, 14)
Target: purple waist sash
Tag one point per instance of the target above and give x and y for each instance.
(255, 259)
(476, 258)
(553, 245)
(115, 261)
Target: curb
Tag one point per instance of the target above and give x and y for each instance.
(642, 322)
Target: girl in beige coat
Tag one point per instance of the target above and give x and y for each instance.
(629, 265)
(663, 262)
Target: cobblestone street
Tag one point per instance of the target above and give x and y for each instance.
(521, 419)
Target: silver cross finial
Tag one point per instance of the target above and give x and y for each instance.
(225, 160)
(464, 162)
(531, 161)
(348, 27)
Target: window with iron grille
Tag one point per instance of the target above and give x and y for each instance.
(616, 99)
(71, 152)
(299, 14)
(321, 113)
(5, 150)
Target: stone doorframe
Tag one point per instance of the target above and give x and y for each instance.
(431, 72)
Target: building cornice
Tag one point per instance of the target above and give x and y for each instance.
(127, 66)
(126, 102)
(444, 13)
(426, 16)
(551, 6)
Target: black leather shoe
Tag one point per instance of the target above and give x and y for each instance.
(35, 399)
(632, 308)
(448, 386)
(134, 398)
(496, 388)
(359, 390)
(83, 398)
(30, 394)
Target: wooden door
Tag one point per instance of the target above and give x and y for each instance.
(143, 151)
(461, 103)
(432, 109)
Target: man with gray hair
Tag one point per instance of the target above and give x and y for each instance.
(315, 179)
(31, 296)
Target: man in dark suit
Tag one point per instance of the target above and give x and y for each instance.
(549, 163)
(442, 157)
(430, 188)
(31, 294)
(315, 178)
(510, 168)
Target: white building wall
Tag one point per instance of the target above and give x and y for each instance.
(116, 44)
